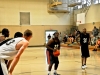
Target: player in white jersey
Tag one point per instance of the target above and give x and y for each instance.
(12, 51)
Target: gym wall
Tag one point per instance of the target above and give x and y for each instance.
(93, 15)
(38, 31)
(40, 19)
(10, 13)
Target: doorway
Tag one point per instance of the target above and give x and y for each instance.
(47, 32)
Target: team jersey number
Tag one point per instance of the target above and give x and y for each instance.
(9, 42)
(84, 40)
(56, 46)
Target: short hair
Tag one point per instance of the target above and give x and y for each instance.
(56, 32)
(18, 34)
(98, 37)
(28, 33)
(4, 30)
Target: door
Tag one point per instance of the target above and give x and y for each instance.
(49, 32)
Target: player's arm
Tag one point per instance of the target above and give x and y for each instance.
(89, 39)
(16, 59)
(9, 63)
(59, 46)
(78, 36)
(48, 45)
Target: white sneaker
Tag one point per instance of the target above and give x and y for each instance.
(55, 73)
(48, 73)
(85, 66)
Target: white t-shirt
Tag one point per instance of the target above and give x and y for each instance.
(8, 50)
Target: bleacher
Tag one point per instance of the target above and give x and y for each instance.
(75, 45)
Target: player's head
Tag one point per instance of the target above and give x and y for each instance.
(5, 32)
(99, 38)
(84, 30)
(94, 26)
(27, 34)
(18, 34)
(56, 35)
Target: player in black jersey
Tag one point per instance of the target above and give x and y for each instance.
(84, 42)
(53, 45)
(4, 34)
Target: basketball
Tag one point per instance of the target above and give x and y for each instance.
(56, 53)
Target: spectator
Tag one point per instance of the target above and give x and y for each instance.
(4, 34)
(71, 38)
(49, 37)
(64, 39)
(95, 31)
(93, 40)
(97, 44)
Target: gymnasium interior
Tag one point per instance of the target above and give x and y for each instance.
(45, 17)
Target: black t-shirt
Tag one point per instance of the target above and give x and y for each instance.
(54, 45)
(84, 38)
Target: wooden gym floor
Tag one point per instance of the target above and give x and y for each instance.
(33, 62)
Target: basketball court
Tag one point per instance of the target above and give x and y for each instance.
(33, 62)
(44, 17)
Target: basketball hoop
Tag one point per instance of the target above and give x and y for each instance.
(79, 21)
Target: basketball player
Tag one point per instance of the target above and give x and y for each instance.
(4, 34)
(18, 34)
(12, 51)
(53, 45)
(84, 41)
(97, 44)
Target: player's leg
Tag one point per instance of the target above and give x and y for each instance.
(3, 67)
(1, 71)
(82, 57)
(83, 60)
(56, 65)
(50, 62)
(49, 69)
